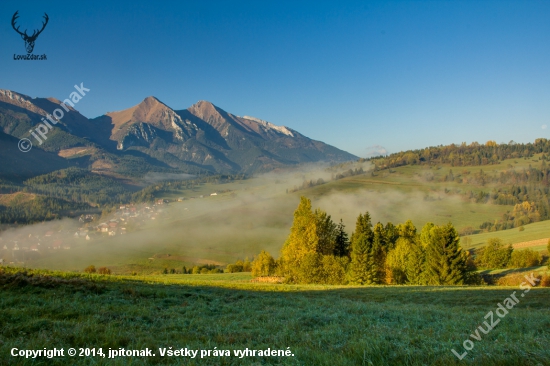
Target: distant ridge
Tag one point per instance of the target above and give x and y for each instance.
(202, 137)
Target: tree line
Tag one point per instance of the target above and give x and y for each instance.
(72, 191)
(474, 154)
(318, 250)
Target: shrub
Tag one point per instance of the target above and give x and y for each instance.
(335, 269)
(204, 271)
(90, 269)
(104, 271)
(196, 270)
(513, 279)
(247, 266)
(524, 258)
(494, 254)
(233, 268)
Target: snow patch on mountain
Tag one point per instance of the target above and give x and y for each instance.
(270, 126)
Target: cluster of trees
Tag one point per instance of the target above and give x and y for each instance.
(306, 184)
(79, 185)
(528, 191)
(319, 251)
(40, 208)
(522, 214)
(239, 266)
(100, 270)
(463, 155)
(496, 255)
(203, 269)
(71, 191)
(316, 182)
(149, 193)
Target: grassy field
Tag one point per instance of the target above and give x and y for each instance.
(322, 325)
(538, 230)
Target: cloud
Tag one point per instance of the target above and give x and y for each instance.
(544, 127)
(376, 150)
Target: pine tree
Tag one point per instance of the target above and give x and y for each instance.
(417, 255)
(326, 232)
(363, 226)
(407, 230)
(391, 235)
(363, 269)
(445, 260)
(379, 251)
(342, 246)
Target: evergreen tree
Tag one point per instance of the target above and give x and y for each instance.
(391, 235)
(407, 230)
(445, 260)
(363, 226)
(415, 264)
(342, 246)
(379, 251)
(326, 232)
(363, 269)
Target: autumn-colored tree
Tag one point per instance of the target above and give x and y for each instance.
(303, 241)
(90, 269)
(247, 265)
(397, 261)
(104, 271)
(263, 265)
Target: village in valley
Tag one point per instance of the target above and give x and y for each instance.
(88, 228)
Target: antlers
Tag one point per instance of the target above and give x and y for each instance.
(24, 34)
(15, 16)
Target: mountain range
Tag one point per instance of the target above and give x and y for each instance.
(151, 136)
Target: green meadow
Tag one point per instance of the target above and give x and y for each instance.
(322, 325)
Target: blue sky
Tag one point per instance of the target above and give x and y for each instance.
(400, 74)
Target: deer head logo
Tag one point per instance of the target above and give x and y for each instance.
(29, 40)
